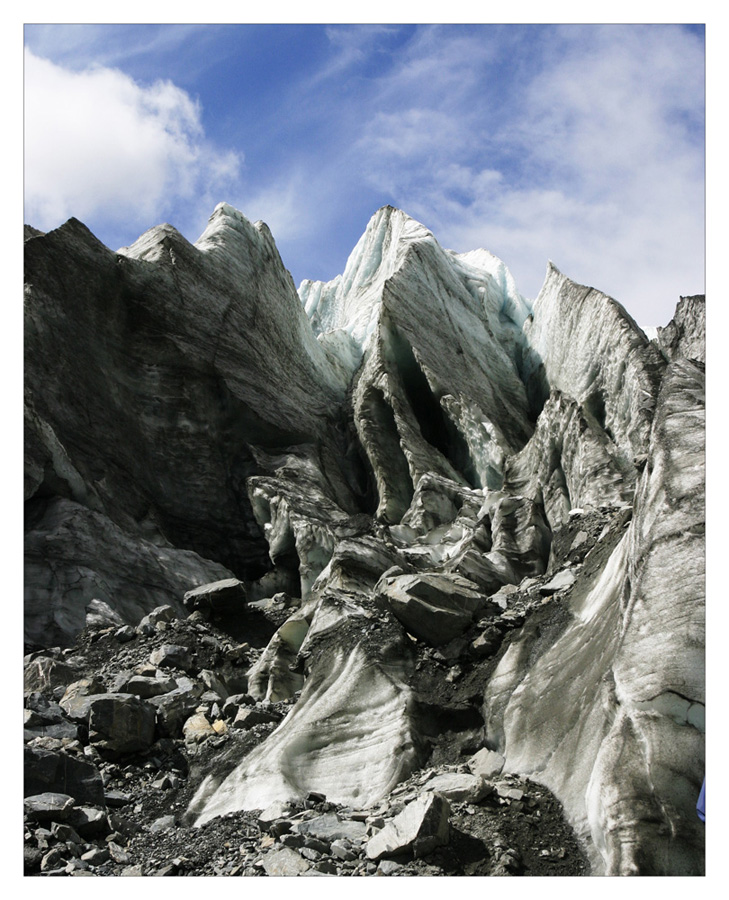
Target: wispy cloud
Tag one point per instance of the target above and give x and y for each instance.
(97, 143)
(351, 44)
(589, 153)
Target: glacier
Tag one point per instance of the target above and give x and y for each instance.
(409, 453)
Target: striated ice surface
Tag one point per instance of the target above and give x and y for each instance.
(403, 452)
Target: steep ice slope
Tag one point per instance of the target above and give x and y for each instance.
(350, 302)
(611, 715)
(685, 335)
(439, 387)
(586, 346)
(593, 377)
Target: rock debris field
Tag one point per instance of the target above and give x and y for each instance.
(396, 575)
(109, 796)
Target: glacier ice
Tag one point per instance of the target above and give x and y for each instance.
(401, 451)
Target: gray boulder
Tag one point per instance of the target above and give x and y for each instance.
(172, 656)
(331, 827)
(47, 723)
(227, 596)
(60, 773)
(421, 827)
(284, 863)
(248, 716)
(486, 763)
(89, 821)
(44, 674)
(121, 723)
(143, 686)
(165, 613)
(459, 787)
(49, 806)
(434, 607)
(100, 614)
(77, 697)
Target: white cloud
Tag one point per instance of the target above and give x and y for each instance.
(96, 142)
(281, 205)
(586, 148)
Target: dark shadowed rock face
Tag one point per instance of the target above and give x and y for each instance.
(152, 375)
(455, 540)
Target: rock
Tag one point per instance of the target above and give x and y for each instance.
(235, 702)
(49, 723)
(247, 717)
(117, 799)
(125, 634)
(388, 867)
(162, 824)
(118, 854)
(176, 706)
(89, 821)
(487, 643)
(132, 871)
(508, 792)
(284, 862)
(76, 700)
(436, 608)
(197, 728)
(172, 656)
(66, 834)
(486, 763)
(213, 683)
(48, 806)
(121, 723)
(418, 829)
(96, 856)
(44, 673)
(331, 827)
(458, 787)
(165, 613)
(59, 773)
(166, 782)
(342, 850)
(561, 582)
(295, 841)
(53, 859)
(143, 686)
(220, 597)
(274, 811)
(32, 859)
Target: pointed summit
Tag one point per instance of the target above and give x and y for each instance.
(351, 300)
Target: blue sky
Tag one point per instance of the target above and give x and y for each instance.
(580, 144)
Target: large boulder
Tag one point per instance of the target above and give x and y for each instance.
(226, 596)
(45, 673)
(121, 723)
(46, 771)
(434, 607)
(421, 827)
